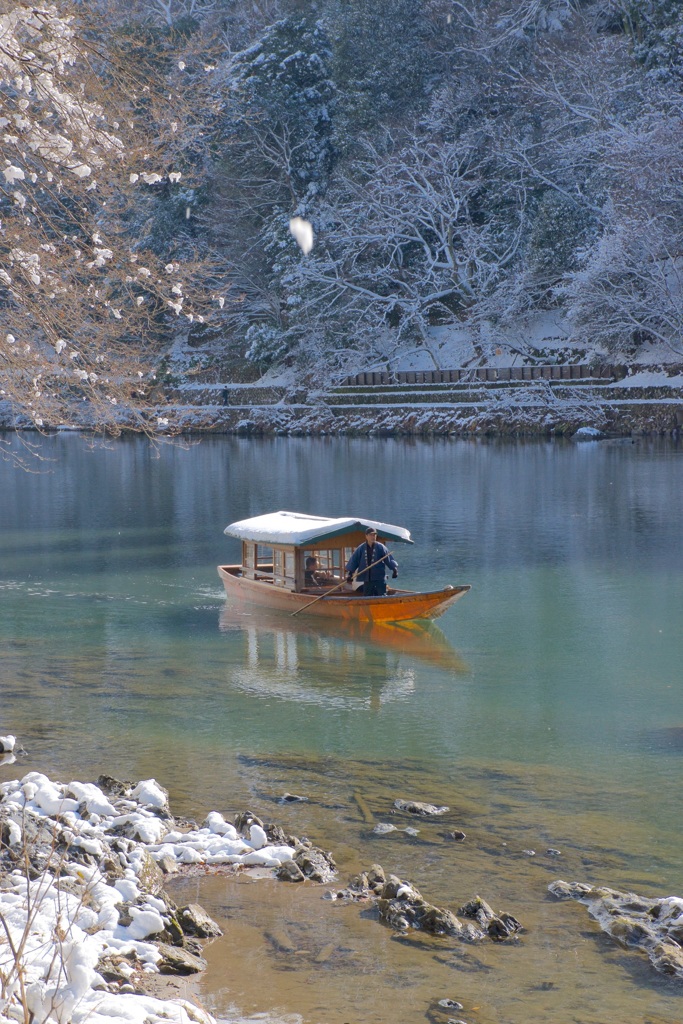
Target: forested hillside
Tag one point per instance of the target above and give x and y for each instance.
(462, 164)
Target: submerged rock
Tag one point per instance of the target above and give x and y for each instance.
(652, 926)
(668, 738)
(383, 828)
(416, 807)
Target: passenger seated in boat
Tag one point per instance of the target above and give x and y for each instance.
(313, 577)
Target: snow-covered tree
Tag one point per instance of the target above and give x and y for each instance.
(630, 289)
(406, 245)
(605, 185)
(171, 12)
(86, 143)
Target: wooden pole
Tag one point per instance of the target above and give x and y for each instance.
(328, 592)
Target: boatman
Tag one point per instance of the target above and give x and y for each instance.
(369, 563)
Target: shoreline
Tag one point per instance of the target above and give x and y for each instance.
(659, 422)
(90, 914)
(634, 400)
(89, 931)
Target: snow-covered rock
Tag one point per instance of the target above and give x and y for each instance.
(587, 434)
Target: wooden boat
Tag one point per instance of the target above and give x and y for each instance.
(272, 573)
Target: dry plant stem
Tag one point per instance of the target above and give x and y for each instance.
(33, 903)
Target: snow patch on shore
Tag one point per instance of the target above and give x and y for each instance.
(62, 922)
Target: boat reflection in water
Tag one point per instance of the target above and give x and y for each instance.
(361, 664)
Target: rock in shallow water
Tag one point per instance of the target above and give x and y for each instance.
(653, 926)
(587, 434)
(316, 864)
(175, 960)
(290, 872)
(416, 807)
(499, 927)
(194, 920)
(402, 906)
(450, 1004)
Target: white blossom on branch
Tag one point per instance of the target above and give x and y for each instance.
(84, 143)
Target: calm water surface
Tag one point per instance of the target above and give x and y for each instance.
(546, 710)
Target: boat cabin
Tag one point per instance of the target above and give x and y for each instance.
(303, 553)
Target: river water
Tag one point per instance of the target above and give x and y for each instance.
(545, 709)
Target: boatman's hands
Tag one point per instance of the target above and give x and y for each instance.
(349, 579)
(394, 574)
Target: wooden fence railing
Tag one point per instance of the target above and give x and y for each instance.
(484, 373)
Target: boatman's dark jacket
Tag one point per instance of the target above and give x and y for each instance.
(359, 561)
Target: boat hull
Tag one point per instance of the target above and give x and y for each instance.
(400, 606)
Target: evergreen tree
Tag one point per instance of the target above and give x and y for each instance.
(656, 28)
(277, 155)
(381, 63)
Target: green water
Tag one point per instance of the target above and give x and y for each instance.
(546, 710)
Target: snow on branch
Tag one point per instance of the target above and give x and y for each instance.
(407, 242)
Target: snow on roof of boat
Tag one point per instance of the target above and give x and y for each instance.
(301, 530)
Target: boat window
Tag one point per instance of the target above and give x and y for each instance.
(279, 567)
(264, 557)
(272, 564)
(329, 560)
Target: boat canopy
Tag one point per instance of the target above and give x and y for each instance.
(302, 530)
